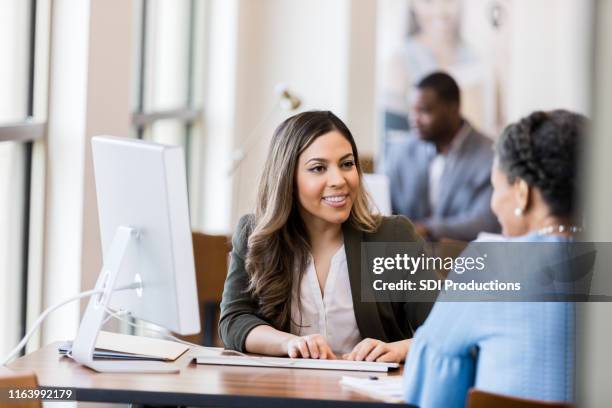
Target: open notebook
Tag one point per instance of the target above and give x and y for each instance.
(284, 362)
(125, 347)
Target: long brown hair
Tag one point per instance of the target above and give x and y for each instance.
(278, 243)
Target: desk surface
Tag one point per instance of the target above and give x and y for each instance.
(198, 385)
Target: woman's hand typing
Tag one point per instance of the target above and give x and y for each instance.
(311, 346)
(376, 350)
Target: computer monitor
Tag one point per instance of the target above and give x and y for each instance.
(146, 241)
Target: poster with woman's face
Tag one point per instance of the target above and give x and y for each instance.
(466, 38)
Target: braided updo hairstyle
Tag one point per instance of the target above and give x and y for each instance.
(543, 149)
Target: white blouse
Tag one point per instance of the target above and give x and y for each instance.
(331, 315)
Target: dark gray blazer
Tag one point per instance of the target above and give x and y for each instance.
(384, 321)
(463, 208)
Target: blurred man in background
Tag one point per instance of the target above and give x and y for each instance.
(440, 173)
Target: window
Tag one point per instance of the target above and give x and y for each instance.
(19, 131)
(169, 95)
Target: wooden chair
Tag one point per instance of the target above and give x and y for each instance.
(10, 379)
(367, 163)
(211, 262)
(482, 399)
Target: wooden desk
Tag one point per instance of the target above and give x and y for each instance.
(198, 385)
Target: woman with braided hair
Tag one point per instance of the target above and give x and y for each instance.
(520, 349)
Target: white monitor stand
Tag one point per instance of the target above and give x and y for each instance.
(84, 344)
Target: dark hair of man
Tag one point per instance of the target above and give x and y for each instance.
(543, 149)
(443, 85)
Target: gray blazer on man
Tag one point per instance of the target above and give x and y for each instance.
(463, 205)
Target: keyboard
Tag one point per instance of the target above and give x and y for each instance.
(284, 362)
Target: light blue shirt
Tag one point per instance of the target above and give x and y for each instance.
(522, 349)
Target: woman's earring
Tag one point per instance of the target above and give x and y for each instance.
(518, 211)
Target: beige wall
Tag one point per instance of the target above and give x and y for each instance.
(550, 66)
(109, 108)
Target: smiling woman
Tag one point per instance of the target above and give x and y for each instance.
(294, 277)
